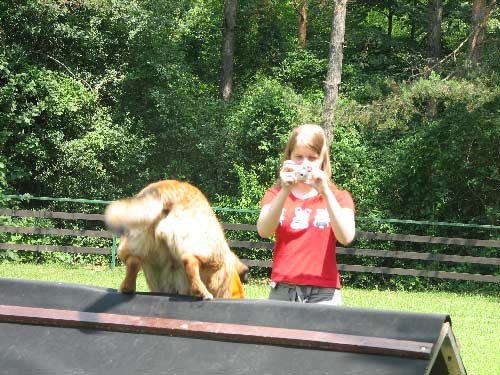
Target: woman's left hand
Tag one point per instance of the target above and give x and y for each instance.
(319, 181)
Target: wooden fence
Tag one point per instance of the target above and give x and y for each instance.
(256, 244)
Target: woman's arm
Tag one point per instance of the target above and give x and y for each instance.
(341, 218)
(270, 214)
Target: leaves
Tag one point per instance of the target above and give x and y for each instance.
(97, 98)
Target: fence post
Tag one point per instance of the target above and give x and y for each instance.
(113, 253)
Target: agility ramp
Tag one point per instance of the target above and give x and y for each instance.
(57, 328)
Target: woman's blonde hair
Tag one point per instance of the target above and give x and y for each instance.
(313, 137)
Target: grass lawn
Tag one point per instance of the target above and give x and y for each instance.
(475, 318)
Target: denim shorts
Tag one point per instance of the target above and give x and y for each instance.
(305, 294)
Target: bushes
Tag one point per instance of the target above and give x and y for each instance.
(42, 110)
(422, 155)
(436, 160)
(133, 98)
(260, 122)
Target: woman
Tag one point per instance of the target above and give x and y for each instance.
(308, 214)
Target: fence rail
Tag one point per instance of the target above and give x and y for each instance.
(246, 244)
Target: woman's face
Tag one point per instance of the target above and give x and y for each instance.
(304, 156)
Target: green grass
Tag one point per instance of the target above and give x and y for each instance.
(475, 318)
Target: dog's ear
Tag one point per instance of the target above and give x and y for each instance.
(244, 276)
(242, 269)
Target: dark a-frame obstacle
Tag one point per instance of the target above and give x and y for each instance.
(56, 328)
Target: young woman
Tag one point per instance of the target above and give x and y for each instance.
(308, 214)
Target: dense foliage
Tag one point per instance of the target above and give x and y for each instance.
(99, 97)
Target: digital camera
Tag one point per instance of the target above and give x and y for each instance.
(302, 173)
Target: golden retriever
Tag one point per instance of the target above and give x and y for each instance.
(172, 233)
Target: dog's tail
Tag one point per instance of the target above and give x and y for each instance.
(131, 213)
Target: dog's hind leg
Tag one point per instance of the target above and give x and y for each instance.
(196, 285)
(132, 268)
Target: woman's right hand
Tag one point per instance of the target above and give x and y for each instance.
(287, 174)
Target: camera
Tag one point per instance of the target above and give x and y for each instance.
(302, 173)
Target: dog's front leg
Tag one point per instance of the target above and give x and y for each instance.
(132, 267)
(192, 267)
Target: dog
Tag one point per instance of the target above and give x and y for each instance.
(171, 232)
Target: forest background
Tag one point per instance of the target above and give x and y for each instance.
(100, 97)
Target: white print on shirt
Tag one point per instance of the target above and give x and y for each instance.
(301, 218)
(282, 217)
(322, 219)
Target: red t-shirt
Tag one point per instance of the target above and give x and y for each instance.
(304, 252)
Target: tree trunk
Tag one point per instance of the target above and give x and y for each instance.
(226, 81)
(303, 23)
(435, 15)
(480, 14)
(413, 28)
(390, 17)
(334, 74)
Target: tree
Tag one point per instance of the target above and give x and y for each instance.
(334, 73)
(302, 23)
(480, 14)
(226, 82)
(435, 14)
(413, 23)
(391, 9)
